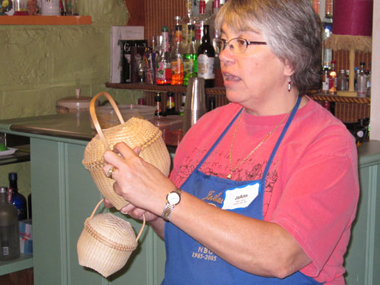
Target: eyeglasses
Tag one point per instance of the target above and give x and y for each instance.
(236, 45)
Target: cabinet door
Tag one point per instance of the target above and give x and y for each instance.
(361, 261)
(64, 195)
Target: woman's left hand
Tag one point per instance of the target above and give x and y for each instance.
(137, 181)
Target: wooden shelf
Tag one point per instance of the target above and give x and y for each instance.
(222, 91)
(45, 20)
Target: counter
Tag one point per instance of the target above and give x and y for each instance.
(64, 195)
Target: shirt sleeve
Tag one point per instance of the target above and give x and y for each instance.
(319, 201)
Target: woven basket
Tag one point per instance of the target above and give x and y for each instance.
(106, 243)
(134, 132)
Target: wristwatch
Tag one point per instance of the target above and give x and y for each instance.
(172, 200)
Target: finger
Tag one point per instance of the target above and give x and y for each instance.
(107, 203)
(109, 171)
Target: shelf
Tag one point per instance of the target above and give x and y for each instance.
(23, 262)
(162, 88)
(222, 91)
(21, 155)
(45, 20)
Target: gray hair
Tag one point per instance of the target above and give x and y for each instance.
(291, 29)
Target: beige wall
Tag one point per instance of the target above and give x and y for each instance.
(40, 64)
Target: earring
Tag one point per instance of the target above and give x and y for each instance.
(289, 84)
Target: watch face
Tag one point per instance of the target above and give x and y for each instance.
(173, 198)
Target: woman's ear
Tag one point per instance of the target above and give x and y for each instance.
(288, 69)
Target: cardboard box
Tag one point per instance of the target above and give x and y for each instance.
(119, 33)
(26, 237)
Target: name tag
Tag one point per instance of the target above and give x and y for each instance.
(240, 197)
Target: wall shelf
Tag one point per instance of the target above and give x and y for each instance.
(45, 20)
(23, 262)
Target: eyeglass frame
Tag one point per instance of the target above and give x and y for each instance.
(247, 43)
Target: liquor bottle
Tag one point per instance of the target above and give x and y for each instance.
(327, 31)
(17, 198)
(206, 58)
(190, 63)
(215, 10)
(157, 100)
(325, 81)
(183, 102)
(9, 228)
(176, 58)
(342, 81)
(211, 103)
(200, 21)
(170, 105)
(187, 21)
(163, 68)
(332, 78)
(362, 81)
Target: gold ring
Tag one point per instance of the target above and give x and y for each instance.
(110, 172)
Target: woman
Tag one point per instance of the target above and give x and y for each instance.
(270, 188)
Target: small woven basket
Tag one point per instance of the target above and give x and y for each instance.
(135, 132)
(106, 243)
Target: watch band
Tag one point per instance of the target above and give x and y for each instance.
(168, 206)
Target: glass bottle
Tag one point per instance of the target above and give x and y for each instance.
(190, 64)
(362, 81)
(206, 58)
(325, 81)
(170, 105)
(332, 78)
(157, 100)
(17, 198)
(176, 59)
(187, 20)
(342, 81)
(200, 21)
(183, 101)
(215, 10)
(9, 228)
(163, 68)
(327, 31)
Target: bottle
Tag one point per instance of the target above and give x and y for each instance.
(163, 68)
(188, 20)
(17, 198)
(206, 58)
(183, 101)
(342, 81)
(332, 78)
(327, 31)
(9, 229)
(325, 81)
(211, 103)
(157, 100)
(176, 58)
(362, 81)
(190, 63)
(170, 105)
(215, 10)
(200, 21)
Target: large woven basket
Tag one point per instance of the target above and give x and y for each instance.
(134, 132)
(106, 243)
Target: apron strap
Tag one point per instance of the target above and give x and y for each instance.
(290, 119)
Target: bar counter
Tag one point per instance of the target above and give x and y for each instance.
(64, 195)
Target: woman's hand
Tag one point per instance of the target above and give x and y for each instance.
(137, 181)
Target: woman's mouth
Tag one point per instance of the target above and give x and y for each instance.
(230, 77)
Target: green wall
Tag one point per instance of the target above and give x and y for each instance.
(40, 64)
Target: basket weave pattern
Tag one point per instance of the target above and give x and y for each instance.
(106, 243)
(135, 132)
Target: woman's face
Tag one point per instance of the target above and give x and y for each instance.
(254, 77)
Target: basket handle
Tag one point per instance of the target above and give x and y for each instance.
(142, 227)
(95, 118)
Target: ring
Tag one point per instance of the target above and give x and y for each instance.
(110, 172)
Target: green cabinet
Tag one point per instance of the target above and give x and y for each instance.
(64, 195)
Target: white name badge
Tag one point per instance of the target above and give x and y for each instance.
(240, 197)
